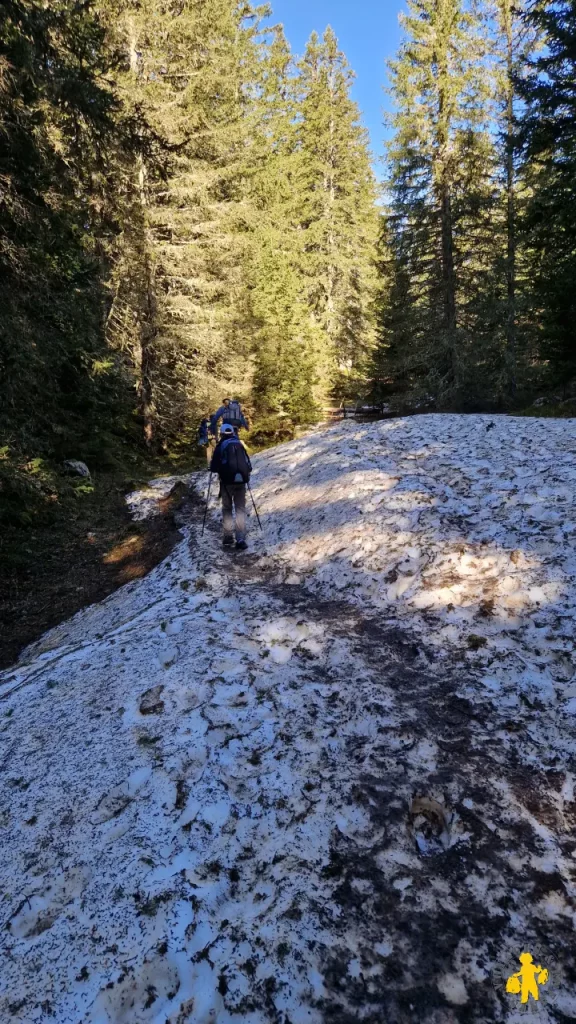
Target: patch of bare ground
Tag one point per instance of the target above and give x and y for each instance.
(63, 566)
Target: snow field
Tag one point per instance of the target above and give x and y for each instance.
(465, 526)
(330, 781)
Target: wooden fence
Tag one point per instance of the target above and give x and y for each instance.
(359, 411)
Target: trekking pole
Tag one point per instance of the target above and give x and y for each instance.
(255, 509)
(207, 501)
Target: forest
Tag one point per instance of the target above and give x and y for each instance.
(190, 210)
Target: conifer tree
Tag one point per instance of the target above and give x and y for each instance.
(58, 119)
(179, 274)
(506, 93)
(442, 199)
(338, 218)
(283, 332)
(511, 42)
(548, 134)
(314, 259)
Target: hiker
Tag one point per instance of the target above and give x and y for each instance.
(230, 460)
(229, 412)
(203, 431)
(204, 438)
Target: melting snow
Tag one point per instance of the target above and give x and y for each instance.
(208, 777)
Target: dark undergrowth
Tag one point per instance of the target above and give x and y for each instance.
(66, 542)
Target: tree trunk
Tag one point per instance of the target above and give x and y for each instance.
(448, 272)
(144, 356)
(444, 179)
(148, 332)
(331, 200)
(507, 11)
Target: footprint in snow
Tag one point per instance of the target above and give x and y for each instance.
(39, 911)
(112, 804)
(138, 997)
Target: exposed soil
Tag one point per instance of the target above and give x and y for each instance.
(77, 561)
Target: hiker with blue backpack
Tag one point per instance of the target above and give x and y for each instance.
(229, 412)
(204, 440)
(232, 464)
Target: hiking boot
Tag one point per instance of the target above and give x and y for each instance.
(241, 545)
(227, 542)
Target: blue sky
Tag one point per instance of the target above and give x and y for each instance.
(368, 33)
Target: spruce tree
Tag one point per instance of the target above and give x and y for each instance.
(285, 337)
(511, 42)
(58, 120)
(442, 199)
(314, 246)
(548, 136)
(179, 276)
(338, 215)
(506, 93)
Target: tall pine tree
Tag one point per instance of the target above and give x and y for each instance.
(511, 42)
(339, 221)
(548, 135)
(285, 337)
(179, 275)
(58, 120)
(442, 222)
(314, 251)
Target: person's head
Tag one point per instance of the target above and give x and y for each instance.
(227, 430)
(226, 401)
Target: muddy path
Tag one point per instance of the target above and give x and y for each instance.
(471, 858)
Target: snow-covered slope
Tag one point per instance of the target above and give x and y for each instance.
(332, 780)
(458, 525)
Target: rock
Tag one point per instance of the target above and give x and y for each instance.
(430, 825)
(76, 468)
(150, 702)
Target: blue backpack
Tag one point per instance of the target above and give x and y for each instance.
(235, 466)
(233, 415)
